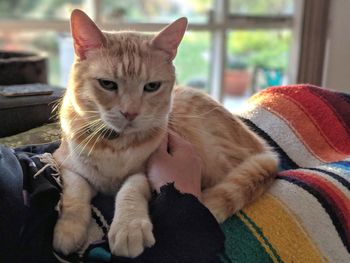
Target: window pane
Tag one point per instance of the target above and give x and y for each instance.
(46, 43)
(38, 9)
(156, 10)
(262, 7)
(255, 60)
(192, 60)
(192, 65)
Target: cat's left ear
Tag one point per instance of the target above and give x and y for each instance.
(170, 37)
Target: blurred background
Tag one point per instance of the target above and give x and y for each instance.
(233, 48)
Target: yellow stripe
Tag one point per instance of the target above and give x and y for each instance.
(258, 237)
(282, 231)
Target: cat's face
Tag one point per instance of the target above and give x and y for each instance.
(124, 78)
(128, 83)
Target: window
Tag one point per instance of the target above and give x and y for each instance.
(256, 59)
(232, 48)
(155, 11)
(261, 8)
(38, 10)
(192, 60)
(42, 42)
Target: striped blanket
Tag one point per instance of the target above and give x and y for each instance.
(305, 216)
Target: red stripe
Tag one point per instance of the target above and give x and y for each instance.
(319, 112)
(301, 125)
(339, 105)
(329, 191)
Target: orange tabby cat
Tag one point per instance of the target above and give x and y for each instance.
(119, 105)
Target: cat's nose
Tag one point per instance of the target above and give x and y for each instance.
(129, 115)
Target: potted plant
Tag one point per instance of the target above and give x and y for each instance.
(236, 77)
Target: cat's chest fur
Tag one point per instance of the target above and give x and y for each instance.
(106, 170)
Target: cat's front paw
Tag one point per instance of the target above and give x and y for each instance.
(69, 235)
(129, 238)
(215, 207)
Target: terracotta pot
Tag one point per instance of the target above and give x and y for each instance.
(236, 81)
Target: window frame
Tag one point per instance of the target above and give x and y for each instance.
(220, 21)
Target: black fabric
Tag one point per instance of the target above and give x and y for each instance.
(184, 229)
(27, 205)
(12, 209)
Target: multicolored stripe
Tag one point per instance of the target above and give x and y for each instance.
(305, 216)
(309, 114)
(332, 199)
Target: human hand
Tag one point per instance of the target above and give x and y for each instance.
(180, 165)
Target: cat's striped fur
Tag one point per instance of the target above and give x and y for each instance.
(237, 165)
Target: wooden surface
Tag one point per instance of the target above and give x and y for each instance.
(26, 90)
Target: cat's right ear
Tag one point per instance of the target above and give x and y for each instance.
(86, 35)
(168, 40)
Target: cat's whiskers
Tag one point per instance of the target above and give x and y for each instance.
(90, 123)
(89, 111)
(75, 118)
(97, 139)
(87, 123)
(76, 126)
(80, 132)
(86, 140)
(56, 105)
(85, 128)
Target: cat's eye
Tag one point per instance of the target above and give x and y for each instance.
(108, 84)
(152, 86)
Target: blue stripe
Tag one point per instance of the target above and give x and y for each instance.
(344, 166)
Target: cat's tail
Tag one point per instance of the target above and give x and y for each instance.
(241, 186)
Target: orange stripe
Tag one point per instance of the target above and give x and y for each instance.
(301, 124)
(323, 116)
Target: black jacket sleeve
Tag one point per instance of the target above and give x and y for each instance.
(27, 207)
(184, 229)
(12, 209)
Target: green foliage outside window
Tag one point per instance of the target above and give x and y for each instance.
(269, 49)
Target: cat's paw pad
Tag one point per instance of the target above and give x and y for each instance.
(130, 238)
(69, 235)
